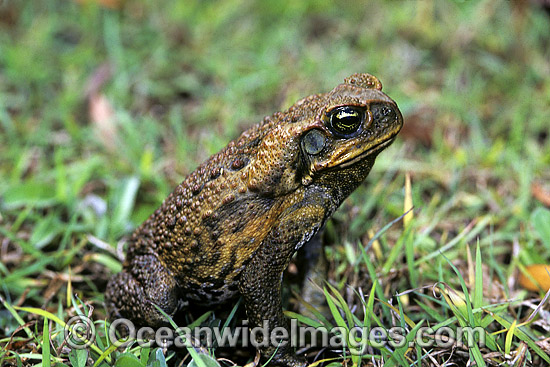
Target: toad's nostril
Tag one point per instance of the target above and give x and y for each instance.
(382, 115)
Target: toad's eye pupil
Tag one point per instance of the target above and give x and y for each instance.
(346, 120)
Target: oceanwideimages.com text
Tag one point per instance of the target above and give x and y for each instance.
(80, 332)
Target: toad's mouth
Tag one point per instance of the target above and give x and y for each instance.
(375, 149)
(345, 160)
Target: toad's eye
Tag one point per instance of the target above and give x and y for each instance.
(345, 120)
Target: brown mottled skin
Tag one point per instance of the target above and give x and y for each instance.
(231, 227)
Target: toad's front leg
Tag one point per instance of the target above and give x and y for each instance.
(142, 283)
(260, 282)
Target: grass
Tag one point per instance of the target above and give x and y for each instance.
(104, 110)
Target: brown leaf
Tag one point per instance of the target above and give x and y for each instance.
(100, 110)
(102, 117)
(53, 289)
(541, 193)
(419, 126)
(99, 77)
(540, 273)
(9, 13)
(17, 344)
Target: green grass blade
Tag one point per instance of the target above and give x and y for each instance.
(46, 355)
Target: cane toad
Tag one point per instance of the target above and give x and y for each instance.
(231, 227)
